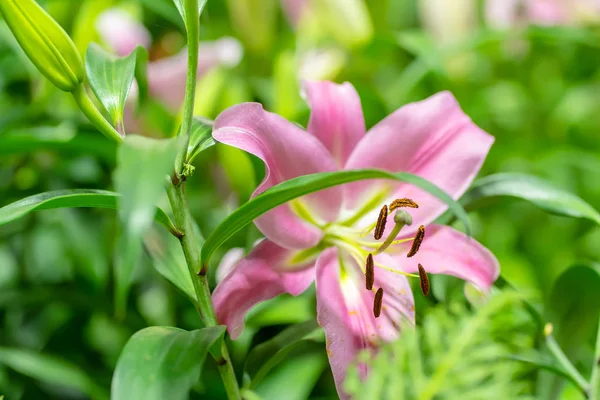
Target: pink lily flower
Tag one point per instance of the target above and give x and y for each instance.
(166, 77)
(506, 13)
(327, 236)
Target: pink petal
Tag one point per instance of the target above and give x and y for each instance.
(448, 251)
(228, 262)
(260, 276)
(166, 77)
(549, 12)
(287, 152)
(345, 309)
(121, 32)
(432, 138)
(336, 117)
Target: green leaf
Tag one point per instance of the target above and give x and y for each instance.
(575, 306)
(168, 259)
(51, 370)
(70, 198)
(295, 378)
(143, 167)
(539, 192)
(299, 186)
(264, 357)
(200, 138)
(184, 5)
(111, 77)
(162, 362)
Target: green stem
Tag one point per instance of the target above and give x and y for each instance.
(595, 381)
(564, 361)
(91, 112)
(192, 24)
(190, 241)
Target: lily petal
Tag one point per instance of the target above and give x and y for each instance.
(345, 309)
(121, 32)
(287, 152)
(259, 276)
(450, 252)
(167, 76)
(432, 138)
(336, 117)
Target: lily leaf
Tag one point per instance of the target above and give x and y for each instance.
(143, 166)
(539, 192)
(111, 78)
(71, 198)
(266, 356)
(50, 370)
(200, 138)
(162, 362)
(302, 185)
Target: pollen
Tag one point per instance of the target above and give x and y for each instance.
(370, 272)
(403, 203)
(424, 280)
(416, 244)
(381, 220)
(378, 302)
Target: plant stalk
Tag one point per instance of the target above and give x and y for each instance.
(595, 380)
(564, 361)
(190, 242)
(91, 112)
(193, 31)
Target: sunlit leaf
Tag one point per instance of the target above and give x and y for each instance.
(162, 363)
(111, 77)
(200, 138)
(539, 192)
(51, 370)
(142, 172)
(70, 198)
(306, 184)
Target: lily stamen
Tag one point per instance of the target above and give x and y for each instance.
(381, 221)
(424, 280)
(403, 203)
(416, 244)
(401, 218)
(370, 272)
(378, 302)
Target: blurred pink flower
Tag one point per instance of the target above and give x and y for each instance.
(293, 9)
(166, 77)
(325, 237)
(507, 13)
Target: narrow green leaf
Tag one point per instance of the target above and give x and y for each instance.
(162, 363)
(200, 138)
(539, 192)
(51, 370)
(577, 316)
(70, 198)
(143, 166)
(111, 77)
(264, 357)
(306, 184)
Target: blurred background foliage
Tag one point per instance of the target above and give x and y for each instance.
(536, 89)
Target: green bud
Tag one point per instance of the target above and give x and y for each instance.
(45, 42)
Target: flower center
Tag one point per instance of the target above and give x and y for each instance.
(357, 243)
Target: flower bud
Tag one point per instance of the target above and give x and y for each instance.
(45, 42)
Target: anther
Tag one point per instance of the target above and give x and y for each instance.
(381, 220)
(403, 203)
(424, 280)
(378, 302)
(370, 272)
(416, 244)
